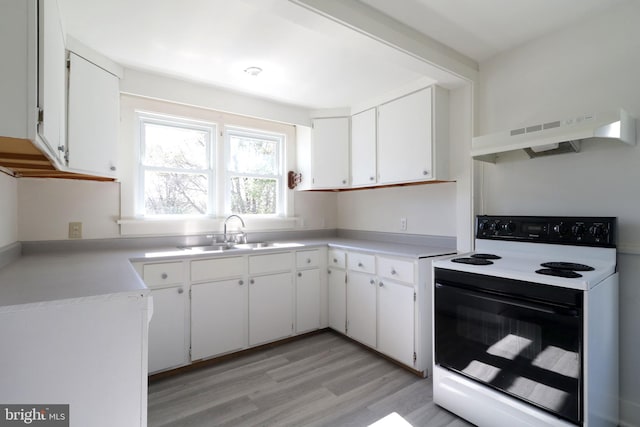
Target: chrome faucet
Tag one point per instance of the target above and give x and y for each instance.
(225, 225)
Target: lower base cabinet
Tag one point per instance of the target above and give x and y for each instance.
(218, 318)
(167, 338)
(270, 305)
(307, 300)
(361, 308)
(396, 314)
(337, 282)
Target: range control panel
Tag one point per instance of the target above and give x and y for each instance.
(587, 231)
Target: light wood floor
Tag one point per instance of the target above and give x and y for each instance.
(320, 380)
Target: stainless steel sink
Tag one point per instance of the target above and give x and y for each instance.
(215, 247)
(255, 245)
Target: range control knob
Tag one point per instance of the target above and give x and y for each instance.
(578, 230)
(509, 227)
(597, 231)
(495, 226)
(562, 229)
(483, 226)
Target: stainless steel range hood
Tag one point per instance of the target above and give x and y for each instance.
(556, 137)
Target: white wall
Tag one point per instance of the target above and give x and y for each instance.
(46, 206)
(9, 211)
(429, 209)
(591, 66)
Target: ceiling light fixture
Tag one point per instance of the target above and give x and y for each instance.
(253, 71)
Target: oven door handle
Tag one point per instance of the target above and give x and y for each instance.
(514, 301)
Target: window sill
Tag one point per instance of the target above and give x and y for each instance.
(191, 226)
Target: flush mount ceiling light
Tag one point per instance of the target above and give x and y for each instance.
(253, 71)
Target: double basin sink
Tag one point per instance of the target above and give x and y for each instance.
(229, 246)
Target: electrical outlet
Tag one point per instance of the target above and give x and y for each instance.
(75, 230)
(403, 224)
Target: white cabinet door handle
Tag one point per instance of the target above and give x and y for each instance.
(180, 290)
(380, 284)
(373, 282)
(240, 282)
(308, 260)
(251, 282)
(299, 274)
(360, 265)
(164, 275)
(393, 272)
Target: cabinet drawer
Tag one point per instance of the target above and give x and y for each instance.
(361, 262)
(337, 258)
(270, 263)
(167, 273)
(396, 269)
(217, 268)
(306, 259)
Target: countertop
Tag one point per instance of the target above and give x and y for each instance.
(54, 276)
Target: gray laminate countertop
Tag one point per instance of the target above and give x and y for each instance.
(48, 276)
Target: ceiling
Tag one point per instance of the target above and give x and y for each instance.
(307, 60)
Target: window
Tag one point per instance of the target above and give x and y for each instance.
(184, 171)
(254, 172)
(176, 167)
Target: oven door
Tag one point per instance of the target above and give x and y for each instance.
(523, 339)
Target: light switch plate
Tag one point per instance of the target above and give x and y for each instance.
(75, 230)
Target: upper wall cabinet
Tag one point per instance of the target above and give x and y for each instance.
(413, 137)
(323, 159)
(32, 88)
(363, 149)
(93, 118)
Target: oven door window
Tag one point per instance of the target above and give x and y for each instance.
(521, 346)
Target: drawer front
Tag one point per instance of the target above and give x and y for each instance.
(337, 258)
(166, 273)
(217, 268)
(397, 269)
(361, 262)
(306, 259)
(270, 263)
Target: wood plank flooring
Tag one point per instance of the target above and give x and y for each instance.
(320, 380)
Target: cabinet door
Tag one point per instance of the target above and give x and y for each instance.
(167, 338)
(405, 139)
(51, 78)
(218, 318)
(361, 308)
(337, 299)
(363, 148)
(270, 308)
(307, 300)
(93, 118)
(396, 321)
(330, 153)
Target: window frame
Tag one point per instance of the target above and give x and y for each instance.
(280, 140)
(144, 118)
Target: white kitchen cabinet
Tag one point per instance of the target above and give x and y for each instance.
(396, 320)
(94, 118)
(33, 75)
(363, 149)
(308, 291)
(168, 329)
(337, 284)
(219, 313)
(413, 137)
(323, 158)
(307, 300)
(270, 308)
(361, 307)
(167, 338)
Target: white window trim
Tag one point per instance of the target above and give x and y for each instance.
(128, 155)
(168, 120)
(280, 139)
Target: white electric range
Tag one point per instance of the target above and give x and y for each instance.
(526, 327)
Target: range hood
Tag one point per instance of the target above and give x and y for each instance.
(556, 137)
